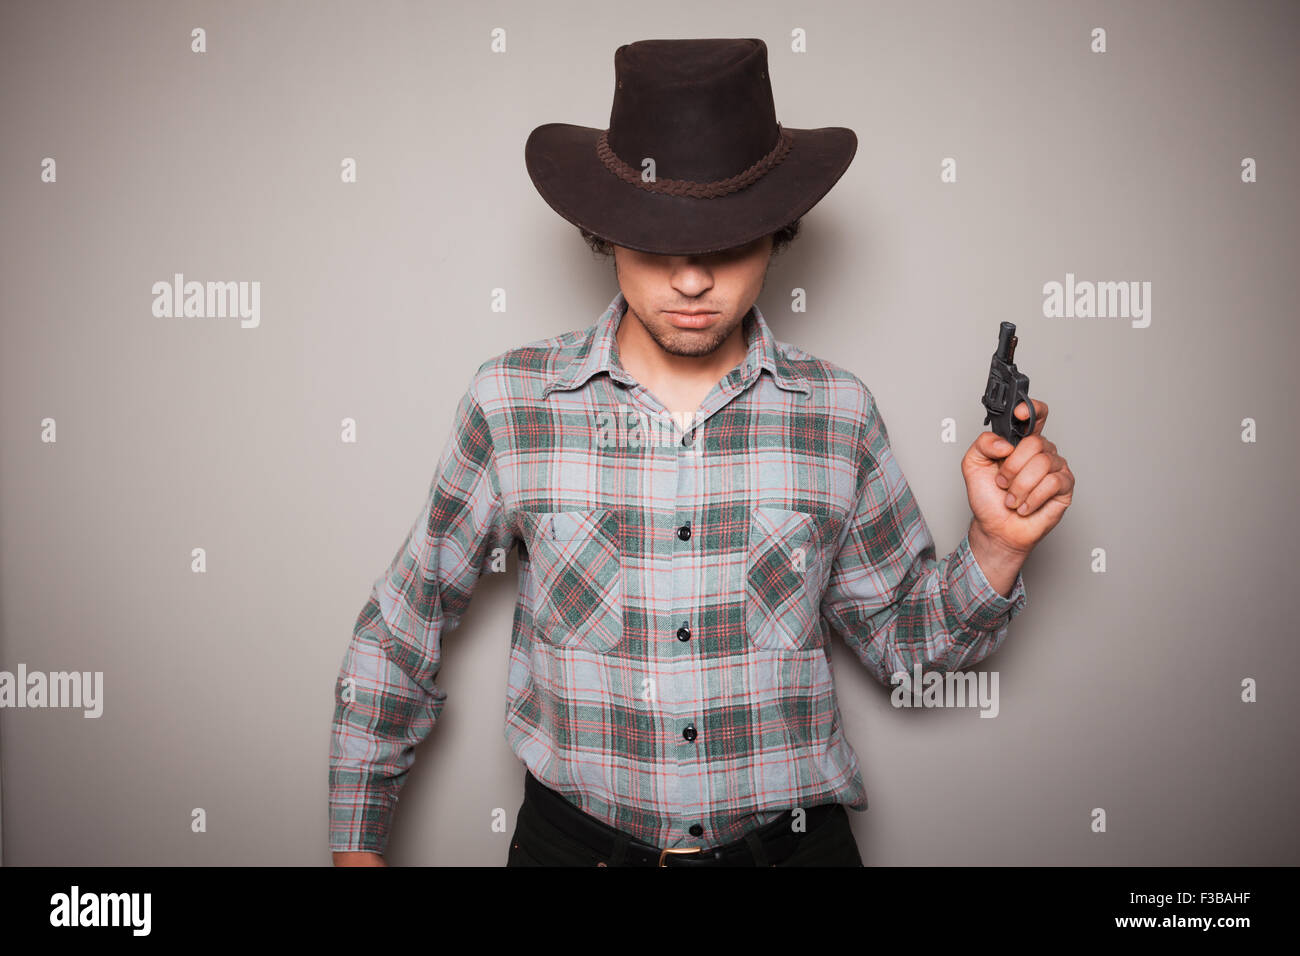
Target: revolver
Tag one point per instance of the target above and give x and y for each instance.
(1006, 389)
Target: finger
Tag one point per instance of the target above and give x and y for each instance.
(1053, 484)
(1028, 478)
(1066, 477)
(1026, 448)
(1060, 471)
(1040, 410)
(1006, 473)
(1021, 411)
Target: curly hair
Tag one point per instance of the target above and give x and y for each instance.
(781, 239)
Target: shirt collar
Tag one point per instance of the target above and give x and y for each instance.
(598, 352)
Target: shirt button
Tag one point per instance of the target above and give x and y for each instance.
(688, 439)
(689, 732)
(684, 532)
(696, 830)
(684, 632)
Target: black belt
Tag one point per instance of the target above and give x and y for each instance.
(767, 845)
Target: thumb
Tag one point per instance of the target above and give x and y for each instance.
(989, 447)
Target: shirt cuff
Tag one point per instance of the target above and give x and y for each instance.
(974, 599)
(359, 818)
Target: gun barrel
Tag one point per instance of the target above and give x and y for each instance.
(1006, 342)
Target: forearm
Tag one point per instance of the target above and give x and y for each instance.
(1000, 565)
(913, 611)
(381, 713)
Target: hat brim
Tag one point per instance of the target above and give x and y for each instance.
(562, 162)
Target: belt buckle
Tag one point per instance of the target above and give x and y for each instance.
(678, 849)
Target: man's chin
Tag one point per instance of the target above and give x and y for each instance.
(687, 343)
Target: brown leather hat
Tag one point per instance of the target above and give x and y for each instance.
(694, 160)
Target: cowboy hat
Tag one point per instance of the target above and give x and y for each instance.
(694, 160)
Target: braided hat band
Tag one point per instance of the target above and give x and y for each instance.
(687, 187)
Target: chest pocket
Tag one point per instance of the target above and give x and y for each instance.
(782, 569)
(578, 586)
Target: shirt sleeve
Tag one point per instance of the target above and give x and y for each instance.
(386, 700)
(894, 604)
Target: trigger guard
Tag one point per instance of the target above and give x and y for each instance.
(1029, 423)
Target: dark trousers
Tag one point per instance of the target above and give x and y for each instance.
(551, 831)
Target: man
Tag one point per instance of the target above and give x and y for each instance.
(698, 508)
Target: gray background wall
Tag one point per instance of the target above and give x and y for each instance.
(1118, 690)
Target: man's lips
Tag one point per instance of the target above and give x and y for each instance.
(691, 320)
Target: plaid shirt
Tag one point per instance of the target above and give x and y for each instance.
(679, 587)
